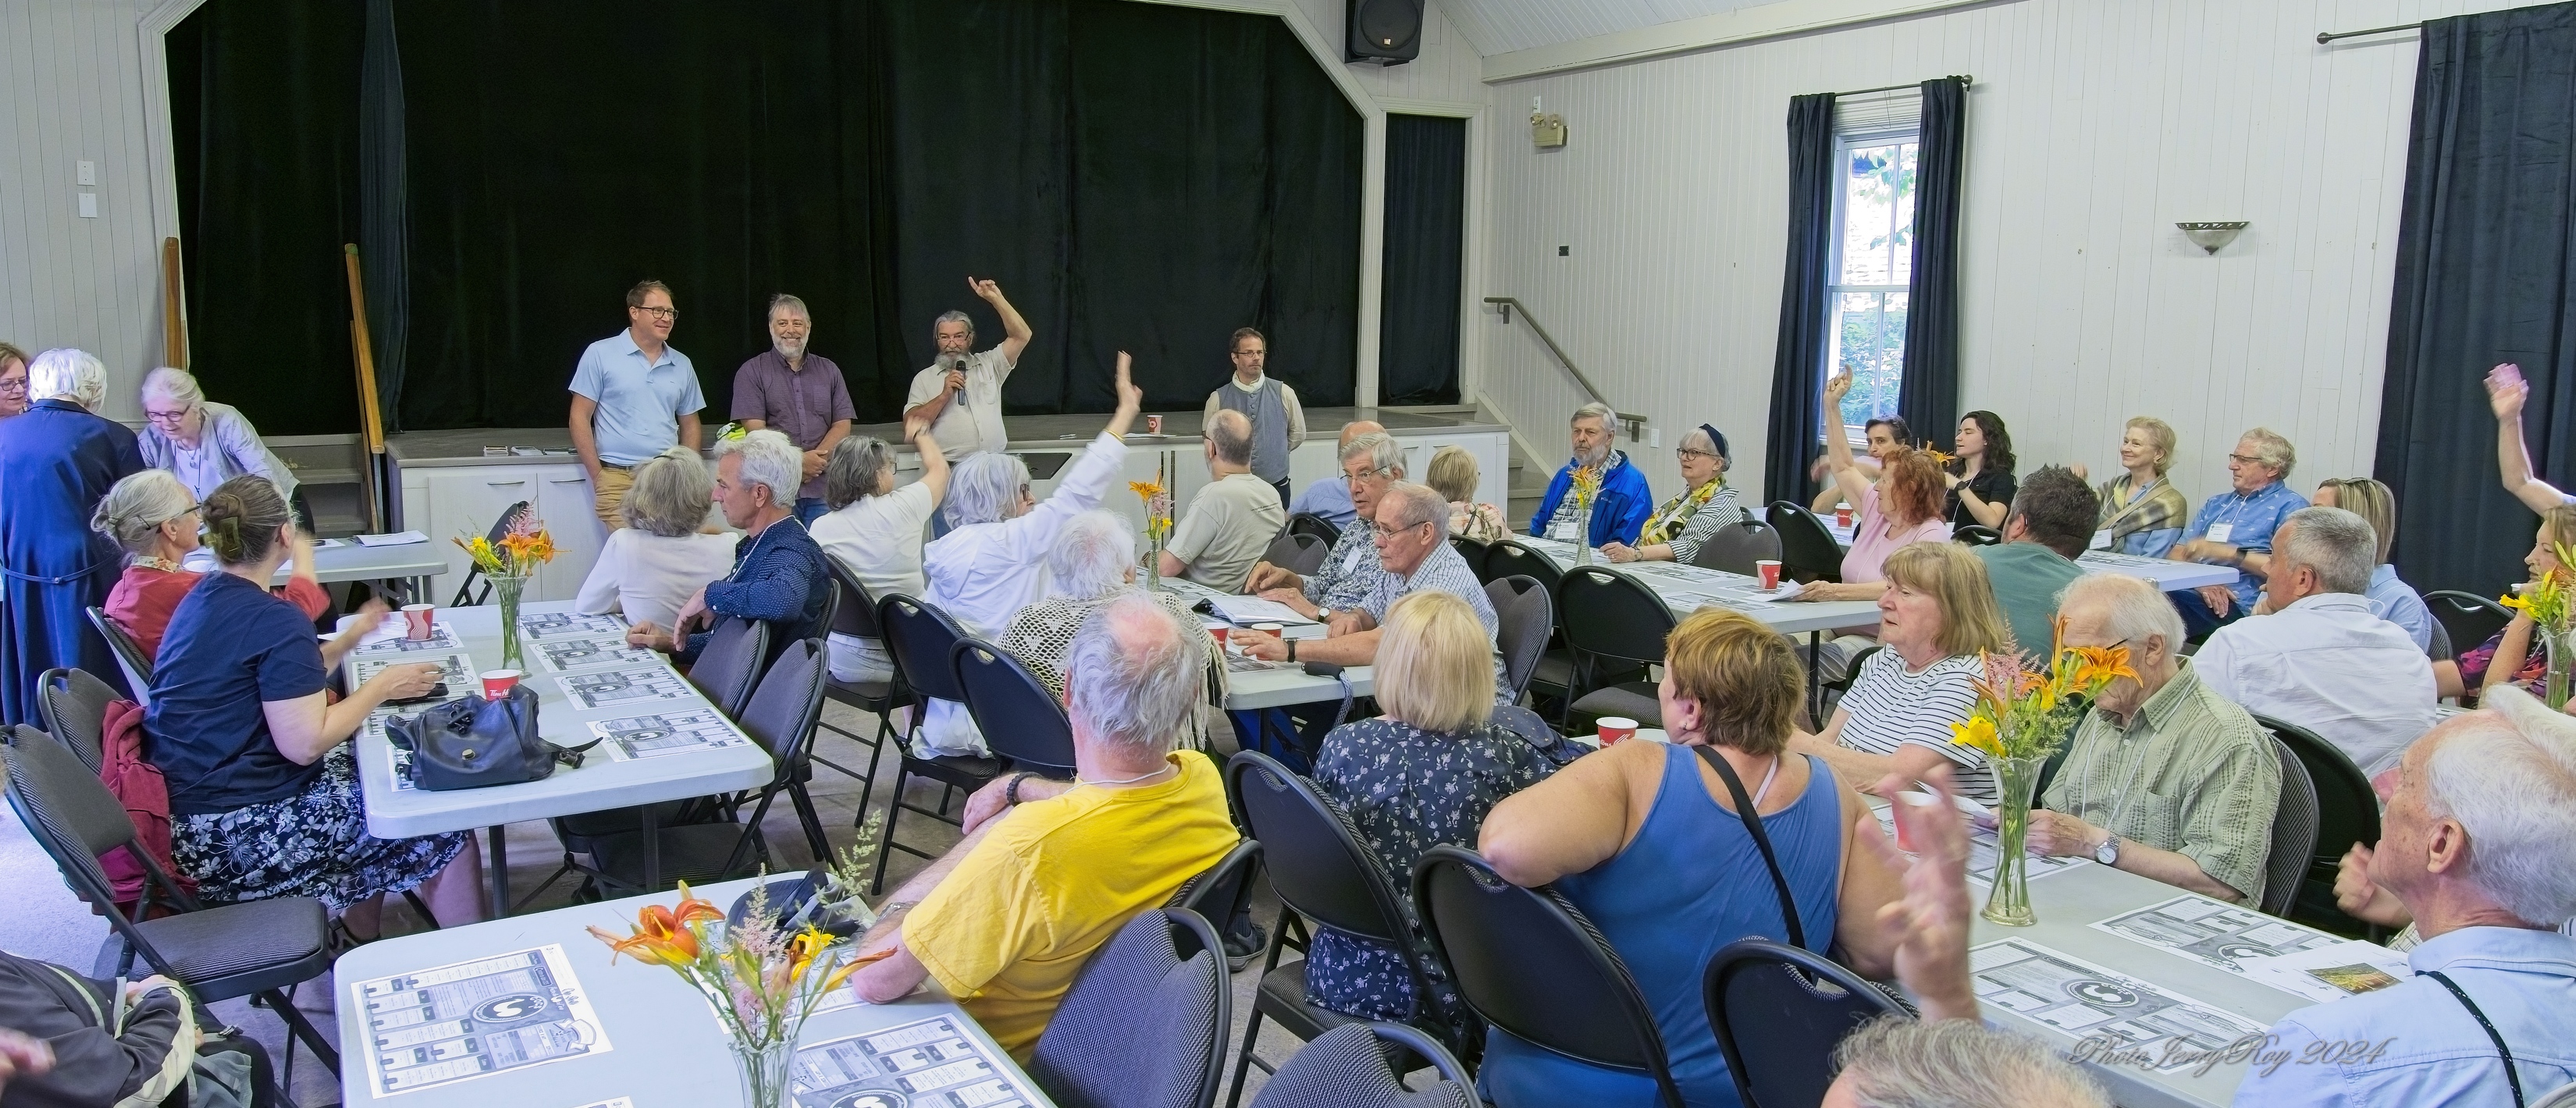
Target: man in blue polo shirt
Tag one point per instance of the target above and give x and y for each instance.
(633, 397)
(2234, 528)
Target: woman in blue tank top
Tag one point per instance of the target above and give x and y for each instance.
(1645, 839)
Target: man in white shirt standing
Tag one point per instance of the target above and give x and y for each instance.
(960, 392)
(2325, 660)
(633, 397)
(1231, 521)
(1278, 421)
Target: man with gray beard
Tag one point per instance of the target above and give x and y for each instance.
(797, 393)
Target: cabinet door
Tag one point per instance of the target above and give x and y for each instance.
(464, 501)
(564, 501)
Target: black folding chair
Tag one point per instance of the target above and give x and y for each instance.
(1736, 546)
(129, 656)
(1779, 1011)
(730, 665)
(1807, 549)
(1224, 890)
(1471, 550)
(1525, 615)
(1615, 628)
(254, 948)
(2471, 619)
(73, 704)
(1347, 1067)
(1974, 534)
(2347, 813)
(1144, 1021)
(1308, 523)
(856, 617)
(1529, 963)
(1022, 722)
(475, 588)
(2294, 834)
(1298, 553)
(1553, 676)
(920, 637)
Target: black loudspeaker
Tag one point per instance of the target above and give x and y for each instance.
(1383, 32)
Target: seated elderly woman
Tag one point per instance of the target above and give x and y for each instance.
(154, 518)
(1453, 474)
(13, 381)
(778, 575)
(264, 797)
(2508, 657)
(874, 531)
(651, 566)
(992, 563)
(1648, 840)
(1937, 613)
(1420, 775)
(1685, 521)
(2142, 512)
(1092, 563)
(200, 441)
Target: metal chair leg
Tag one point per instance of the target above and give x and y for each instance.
(413, 899)
(885, 843)
(1252, 1026)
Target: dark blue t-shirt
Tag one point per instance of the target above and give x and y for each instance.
(230, 646)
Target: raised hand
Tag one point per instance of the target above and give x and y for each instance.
(1130, 398)
(914, 428)
(1928, 925)
(986, 289)
(2506, 390)
(1838, 386)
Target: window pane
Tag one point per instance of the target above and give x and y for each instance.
(1878, 215)
(1868, 338)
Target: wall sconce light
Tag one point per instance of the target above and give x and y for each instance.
(2211, 236)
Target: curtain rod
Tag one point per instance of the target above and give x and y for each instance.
(2324, 37)
(1964, 81)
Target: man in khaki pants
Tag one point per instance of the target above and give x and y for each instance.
(633, 397)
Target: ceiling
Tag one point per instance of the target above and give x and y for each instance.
(1503, 26)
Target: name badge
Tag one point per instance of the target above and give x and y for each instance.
(2222, 532)
(1562, 532)
(2101, 540)
(1351, 561)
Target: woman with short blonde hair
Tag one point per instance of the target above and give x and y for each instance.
(1435, 664)
(1453, 474)
(1936, 619)
(650, 567)
(2142, 513)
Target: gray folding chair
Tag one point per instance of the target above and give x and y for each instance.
(1298, 552)
(1346, 1067)
(1144, 1023)
(730, 664)
(73, 703)
(1736, 546)
(1526, 615)
(2294, 834)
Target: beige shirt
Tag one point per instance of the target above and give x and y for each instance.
(1228, 527)
(973, 419)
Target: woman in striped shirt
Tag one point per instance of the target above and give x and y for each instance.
(1937, 615)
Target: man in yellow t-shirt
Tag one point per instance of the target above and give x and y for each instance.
(1050, 870)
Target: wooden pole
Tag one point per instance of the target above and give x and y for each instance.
(174, 319)
(372, 423)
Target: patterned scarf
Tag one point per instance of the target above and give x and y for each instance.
(1676, 513)
(2160, 509)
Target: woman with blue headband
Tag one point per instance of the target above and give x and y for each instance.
(1687, 520)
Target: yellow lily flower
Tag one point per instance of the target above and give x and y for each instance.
(1978, 733)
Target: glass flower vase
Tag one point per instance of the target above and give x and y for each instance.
(2009, 903)
(765, 1069)
(1153, 568)
(507, 589)
(2559, 645)
(1583, 536)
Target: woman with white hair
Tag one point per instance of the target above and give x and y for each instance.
(993, 563)
(59, 459)
(156, 520)
(1092, 563)
(1675, 531)
(202, 442)
(649, 567)
(873, 531)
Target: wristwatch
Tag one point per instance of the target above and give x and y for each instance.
(2109, 852)
(1292, 649)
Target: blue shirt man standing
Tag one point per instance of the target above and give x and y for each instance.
(633, 397)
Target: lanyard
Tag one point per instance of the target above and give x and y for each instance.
(2511, 1078)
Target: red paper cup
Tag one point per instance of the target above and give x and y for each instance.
(417, 619)
(1616, 729)
(497, 683)
(1219, 632)
(1842, 516)
(1768, 570)
(1153, 425)
(1917, 799)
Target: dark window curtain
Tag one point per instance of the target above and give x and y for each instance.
(265, 125)
(1797, 382)
(1426, 227)
(384, 222)
(1928, 395)
(2485, 274)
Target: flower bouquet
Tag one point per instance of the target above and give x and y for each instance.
(1157, 496)
(508, 564)
(2550, 601)
(1584, 488)
(2023, 715)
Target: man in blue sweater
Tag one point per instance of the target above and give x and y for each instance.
(779, 576)
(1623, 505)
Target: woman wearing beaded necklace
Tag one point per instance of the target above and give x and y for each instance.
(155, 519)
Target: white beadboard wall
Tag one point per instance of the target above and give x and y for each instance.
(2094, 126)
(71, 89)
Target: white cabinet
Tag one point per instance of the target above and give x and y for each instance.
(564, 501)
(451, 502)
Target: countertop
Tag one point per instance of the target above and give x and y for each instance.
(1045, 432)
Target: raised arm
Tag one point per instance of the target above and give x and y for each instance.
(1015, 330)
(934, 465)
(1838, 455)
(2506, 391)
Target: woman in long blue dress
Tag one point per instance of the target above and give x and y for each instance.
(59, 459)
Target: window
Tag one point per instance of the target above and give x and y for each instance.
(1873, 268)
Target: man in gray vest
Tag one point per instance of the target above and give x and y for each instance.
(1278, 423)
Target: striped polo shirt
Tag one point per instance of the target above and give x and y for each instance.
(1891, 707)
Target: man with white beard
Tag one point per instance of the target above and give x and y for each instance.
(960, 392)
(800, 394)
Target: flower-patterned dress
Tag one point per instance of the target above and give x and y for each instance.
(1404, 791)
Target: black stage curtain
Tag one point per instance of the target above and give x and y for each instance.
(2485, 274)
(1797, 383)
(384, 213)
(1426, 228)
(264, 118)
(1928, 395)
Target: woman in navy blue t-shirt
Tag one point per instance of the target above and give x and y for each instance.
(264, 798)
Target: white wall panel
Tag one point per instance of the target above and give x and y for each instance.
(2094, 126)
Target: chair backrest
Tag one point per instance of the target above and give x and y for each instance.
(1221, 891)
(1736, 546)
(730, 664)
(1510, 559)
(2563, 1096)
(1144, 1023)
(2469, 618)
(782, 711)
(918, 636)
(467, 594)
(129, 656)
(1019, 718)
(1525, 615)
(1975, 534)
(1318, 866)
(67, 810)
(857, 615)
(1779, 1011)
(1308, 523)
(2294, 833)
(1471, 550)
(2441, 648)
(74, 704)
(1301, 554)
(833, 597)
(2347, 809)
(1611, 615)
(1346, 1067)
(1807, 549)
(1529, 963)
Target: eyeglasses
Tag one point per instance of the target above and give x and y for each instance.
(13, 384)
(1690, 453)
(169, 419)
(2248, 459)
(664, 314)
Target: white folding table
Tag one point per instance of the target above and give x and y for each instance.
(2169, 575)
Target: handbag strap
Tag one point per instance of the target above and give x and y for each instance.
(1761, 838)
(2511, 1078)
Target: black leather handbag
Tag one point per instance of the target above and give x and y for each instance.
(471, 743)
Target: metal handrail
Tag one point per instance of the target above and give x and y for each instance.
(1634, 423)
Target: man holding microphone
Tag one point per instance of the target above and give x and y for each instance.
(960, 392)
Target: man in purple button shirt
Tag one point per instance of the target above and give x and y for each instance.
(798, 394)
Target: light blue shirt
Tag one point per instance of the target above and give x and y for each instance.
(2435, 1052)
(640, 403)
(1329, 498)
(2248, 522)
(2396, 602)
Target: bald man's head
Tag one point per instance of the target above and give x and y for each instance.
(1229, 437)
(1358, 427)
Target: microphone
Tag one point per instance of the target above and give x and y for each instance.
(958, 365)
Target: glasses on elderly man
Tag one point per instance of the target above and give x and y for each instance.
(2248, 459)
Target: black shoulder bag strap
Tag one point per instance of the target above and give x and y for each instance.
(1761, 838)
(2510, 1077)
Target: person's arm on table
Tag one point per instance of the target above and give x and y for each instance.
(2058, 835)
(306, 728)
(1911, 761)
(1357, 648)
(2511, 653)
(2506, 391)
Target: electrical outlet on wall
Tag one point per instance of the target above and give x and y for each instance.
(1654, 437)
(84, 173)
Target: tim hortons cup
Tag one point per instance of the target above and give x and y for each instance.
(1616, 729)
(497, 683)
(1768, 570)
(417, 619)
(1153, 425)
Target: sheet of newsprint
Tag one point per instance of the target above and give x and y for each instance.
(472, 1019)
(564, 625)
(558, 655)
(2091, 1002)
(619, 688)
(925, 1062)
(673, 732)
(2214, 933)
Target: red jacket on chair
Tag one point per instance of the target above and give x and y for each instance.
(136, 782)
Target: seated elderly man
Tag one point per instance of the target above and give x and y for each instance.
(2165, 779)
(2240, 528)
(1413, 545)
(1622, 506)
(2325, 660)
(1092, 563)
(1049, 870)
(2052, 517)
(779, 576)
(1370, 463)
(2474, 845)
(1232, 519)
(1329, 498)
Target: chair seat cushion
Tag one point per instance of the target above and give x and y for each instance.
(1635, 700)
(1282, 997)
(1555, 670)
(233, 949)
(865, 694)
(695, 853)
(965, 771)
